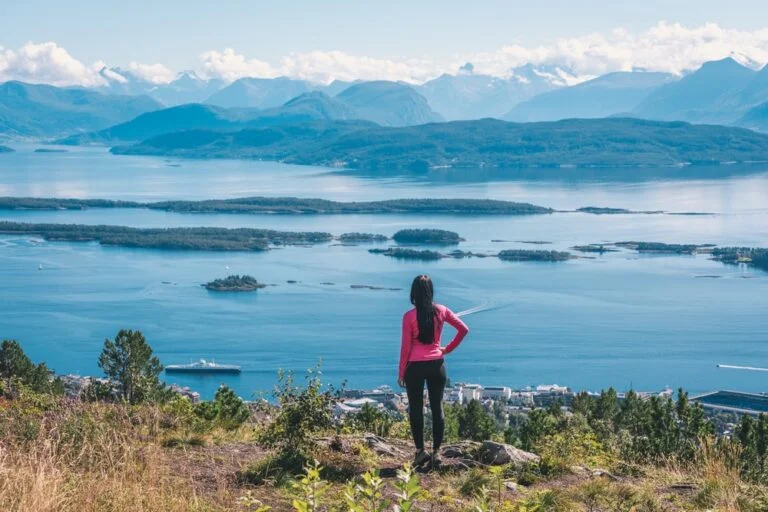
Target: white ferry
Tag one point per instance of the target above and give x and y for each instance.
(202, 366)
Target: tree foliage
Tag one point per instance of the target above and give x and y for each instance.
(17, 368)
(128, 361)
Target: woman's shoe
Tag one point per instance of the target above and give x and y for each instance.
(420, 458)
(435, 461)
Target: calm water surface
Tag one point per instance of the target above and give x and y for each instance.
(620, 319)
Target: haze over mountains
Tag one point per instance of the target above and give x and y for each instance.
(720, 92)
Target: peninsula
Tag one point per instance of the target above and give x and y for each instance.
(234, 283)
(484, 143)
(199, 238)
(289, 205)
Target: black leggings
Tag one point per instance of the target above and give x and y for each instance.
(433, 372)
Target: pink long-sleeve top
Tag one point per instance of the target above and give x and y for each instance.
(411, 349)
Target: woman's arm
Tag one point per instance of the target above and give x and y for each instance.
(405, 347)
(461, 330)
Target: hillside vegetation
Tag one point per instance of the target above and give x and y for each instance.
(472, 144)
(37, 110)
(127, 442)
(288, 205)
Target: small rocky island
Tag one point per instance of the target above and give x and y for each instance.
(529, 255)
(356, 238)
(234, 283)
(594, 248)
(408, 254)
(427, 236)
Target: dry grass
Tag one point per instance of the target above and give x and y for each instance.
(61, 457)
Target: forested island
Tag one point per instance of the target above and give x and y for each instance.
(234, 283)
(427, 236)
(598, 210)
(402, 253)
(51, 150)
(485, 143)
(755, 257)
(664, 248)
(288, 205)
(352, 238)
(201, 239)
(533, 255)
(594, 248)
(6, 149)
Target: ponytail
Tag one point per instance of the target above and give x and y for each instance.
(422, 296)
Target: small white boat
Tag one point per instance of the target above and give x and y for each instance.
(202, 366)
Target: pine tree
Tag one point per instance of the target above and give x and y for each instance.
(128, 362)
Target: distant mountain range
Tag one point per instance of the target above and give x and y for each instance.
(605, 96)
(31, 110)
(467, 95)
(383, 103)
(720, 92)
(471, 144)
(715, 93)
(188, 87)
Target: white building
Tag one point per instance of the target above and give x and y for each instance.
(471, 392)
(497, 393)
(553, 389)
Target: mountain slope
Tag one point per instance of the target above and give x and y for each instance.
(467, 95)
(608, 95)
(756, 118)
(308, 107)
(388, 103)
(259, 92)
(33, 110)
(151, 124)
(699, 96)
(472, 144)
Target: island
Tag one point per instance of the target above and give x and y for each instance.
(664, 248)
(6, 149)
(457, 254)
(531, 255)
(370, 287)
(408, 254)
(234, 283)
(755, 257)
(427, 236)
(289, 206)
(352, 238)
(598, 210)
(51, 150)
(594, 248)
(612, 142)
(196, 238)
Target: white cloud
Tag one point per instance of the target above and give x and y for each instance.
(230, 66)
(154, 73)
(46, 63)
(669, 47)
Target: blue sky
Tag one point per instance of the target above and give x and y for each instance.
(436, 34)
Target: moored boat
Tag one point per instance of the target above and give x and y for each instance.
(202, 366)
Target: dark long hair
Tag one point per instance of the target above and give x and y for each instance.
(422, 296)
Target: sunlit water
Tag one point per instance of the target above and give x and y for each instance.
(620, 319)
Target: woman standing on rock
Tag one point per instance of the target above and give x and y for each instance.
(421, 360)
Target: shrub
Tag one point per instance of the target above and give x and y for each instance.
(304, 411)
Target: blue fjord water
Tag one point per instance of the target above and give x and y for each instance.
(620, 319)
